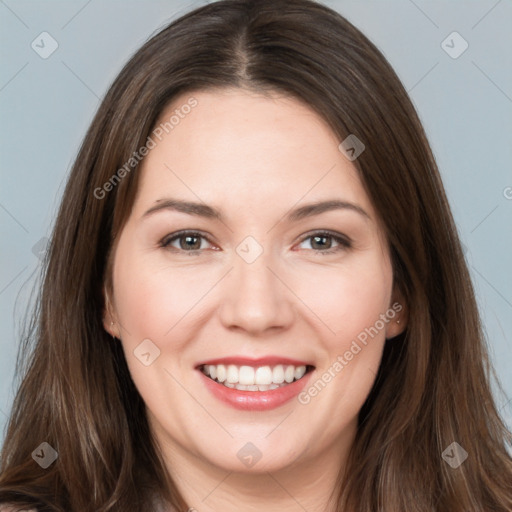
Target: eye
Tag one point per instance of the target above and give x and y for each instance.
(325, 242)
(187, 241)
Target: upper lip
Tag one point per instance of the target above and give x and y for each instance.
(255, 362)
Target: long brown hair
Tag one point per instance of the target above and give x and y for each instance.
(432, 388)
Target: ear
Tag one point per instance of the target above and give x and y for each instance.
(110, 323)
(398, 315)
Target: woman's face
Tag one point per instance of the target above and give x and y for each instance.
(252, 254)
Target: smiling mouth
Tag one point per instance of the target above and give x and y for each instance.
(260, 378)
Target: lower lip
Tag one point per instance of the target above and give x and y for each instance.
(255, 400)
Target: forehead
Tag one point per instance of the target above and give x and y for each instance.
(236, 148)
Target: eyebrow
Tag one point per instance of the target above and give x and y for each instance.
(203, 210)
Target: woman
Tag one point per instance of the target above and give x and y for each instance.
(255, 296)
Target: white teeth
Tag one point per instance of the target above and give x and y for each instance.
(299, 372)
(222, 374)
(246, 375)
(248, 378)
(254, 387)
(263, 376)
(278, 374)
(289, 374)
(232, 374)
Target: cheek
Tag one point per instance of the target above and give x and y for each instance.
(153, 302)
(152, 299)
(350, 307)
(349, 298)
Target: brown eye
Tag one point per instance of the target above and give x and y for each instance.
(325, 242)
(321, 242)
(185, 241)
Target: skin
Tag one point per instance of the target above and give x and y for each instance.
(254, 158)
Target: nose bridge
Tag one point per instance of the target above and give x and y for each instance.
(255, 300)
(255, 278)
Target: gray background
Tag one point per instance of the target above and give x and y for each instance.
(465, 104)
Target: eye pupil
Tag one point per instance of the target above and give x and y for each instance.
(321, 242)
(190, 242)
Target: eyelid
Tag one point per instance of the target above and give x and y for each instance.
(344, 241)
(167, 239)
(334, 234)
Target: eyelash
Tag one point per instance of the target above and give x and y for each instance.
(342, 241)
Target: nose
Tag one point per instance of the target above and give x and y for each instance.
(255, 299)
